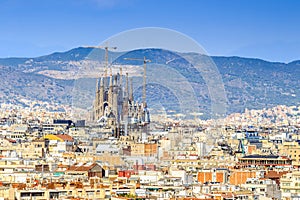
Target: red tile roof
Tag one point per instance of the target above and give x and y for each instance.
(11, 140)
(82, 167)
(65, 137)
(275, 174)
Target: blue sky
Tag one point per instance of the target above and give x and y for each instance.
(250, 28)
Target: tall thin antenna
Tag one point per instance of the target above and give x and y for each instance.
(144, 82)
(145, 61)
(121, 74)
(127, 85)
(106, 48)
(131, 90)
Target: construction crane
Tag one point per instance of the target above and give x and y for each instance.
(106, 48)
(145, 61)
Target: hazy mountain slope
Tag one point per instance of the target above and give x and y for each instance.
(249, 83)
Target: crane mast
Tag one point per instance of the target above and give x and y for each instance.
(106, 48)
(145, 61)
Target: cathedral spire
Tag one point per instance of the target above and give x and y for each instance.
(97, 84)
(115, 80)
(111, 81)
(101, 82)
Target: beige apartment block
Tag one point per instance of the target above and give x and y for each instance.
(292, 150)
(290, 185)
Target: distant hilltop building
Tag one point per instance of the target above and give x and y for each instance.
(114, 105)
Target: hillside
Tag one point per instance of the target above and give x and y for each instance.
(249, 83)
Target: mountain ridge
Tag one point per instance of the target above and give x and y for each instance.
(249, 82)
(89, 49)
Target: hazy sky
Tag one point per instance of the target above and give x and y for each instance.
(250, 28)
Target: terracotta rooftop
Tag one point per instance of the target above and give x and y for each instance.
(82, 167)
(11, 140)
(65, 137)
(275, 174)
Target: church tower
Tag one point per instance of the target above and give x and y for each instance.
(115, 108)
